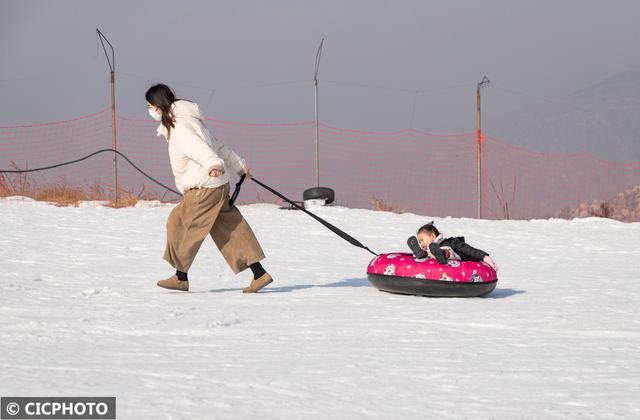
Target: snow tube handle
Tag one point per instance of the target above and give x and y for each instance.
(236, 191)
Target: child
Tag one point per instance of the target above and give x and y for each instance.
(430, 243)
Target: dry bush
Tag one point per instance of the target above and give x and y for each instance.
(129, 198)
(18, 184)
(380, 204)
(502, 198)
(62, 194)
(59, 193)
(625, 206)
(124, 200)
(97, 192)
(5, 187)
(606, 210)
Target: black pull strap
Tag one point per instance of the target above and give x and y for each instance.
(236, 191)
(353, 241)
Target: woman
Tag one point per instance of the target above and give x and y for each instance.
(199, 163)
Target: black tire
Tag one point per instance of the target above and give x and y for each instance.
(319, 193)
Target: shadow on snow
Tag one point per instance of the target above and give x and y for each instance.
(356, 282)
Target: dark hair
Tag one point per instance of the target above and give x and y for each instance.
(162, 96)
(429, 228)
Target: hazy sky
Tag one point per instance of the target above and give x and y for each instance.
(50, 67)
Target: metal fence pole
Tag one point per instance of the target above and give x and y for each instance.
(480, 149)
(315, 94)
(114, 145)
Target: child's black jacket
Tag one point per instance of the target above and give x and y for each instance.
(459, 246)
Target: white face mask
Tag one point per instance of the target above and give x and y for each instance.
(154, 114)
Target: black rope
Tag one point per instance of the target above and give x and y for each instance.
(353, 241)
(44, 168)
(236, 191)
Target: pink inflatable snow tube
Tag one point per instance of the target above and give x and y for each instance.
(401, 273)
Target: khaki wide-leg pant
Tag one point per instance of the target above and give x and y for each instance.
(207, 211)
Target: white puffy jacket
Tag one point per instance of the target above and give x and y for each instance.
(194, 152)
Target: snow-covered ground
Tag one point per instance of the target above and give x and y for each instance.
(80, 315)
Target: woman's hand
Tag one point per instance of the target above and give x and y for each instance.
(248, 173)
(216, 173)
(490, 261)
